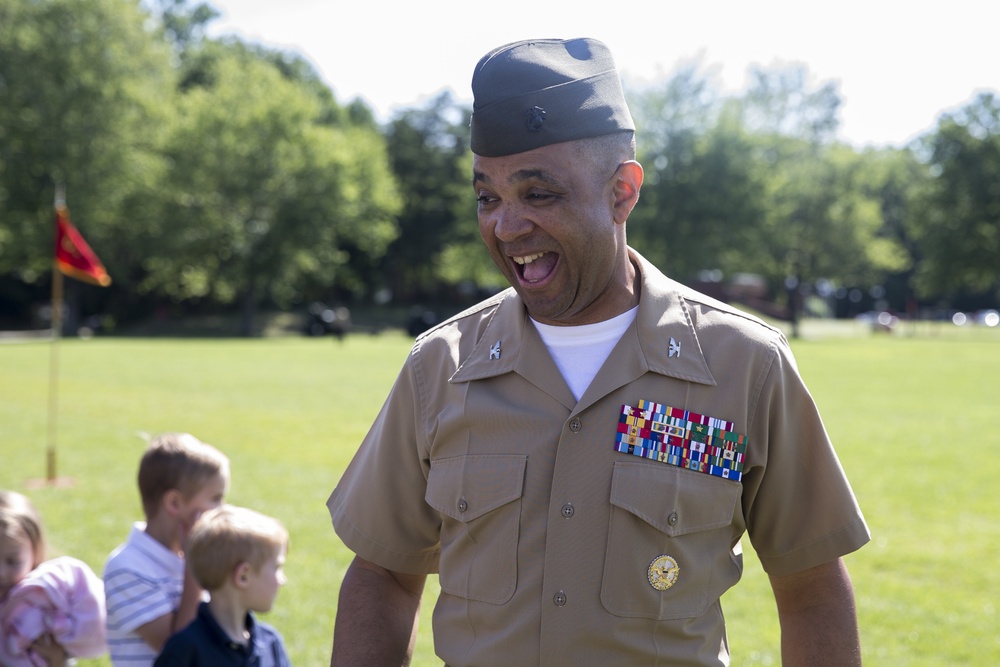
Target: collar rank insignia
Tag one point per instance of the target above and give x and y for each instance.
(495, 350)
(682, 438)
(675, 349)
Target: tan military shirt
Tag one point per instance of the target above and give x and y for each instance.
(553, 543)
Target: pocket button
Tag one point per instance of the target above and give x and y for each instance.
(672, 519)
(462, 505)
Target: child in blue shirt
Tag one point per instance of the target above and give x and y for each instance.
(237, 555)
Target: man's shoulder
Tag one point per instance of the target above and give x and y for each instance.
(707, 313)
(469, 317)
(456, 336)
(728, 314)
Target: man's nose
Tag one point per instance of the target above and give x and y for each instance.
(512, 222)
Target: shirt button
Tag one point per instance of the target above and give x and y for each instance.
(567, 510)
(672, 519)
(559, 598)
(462, 505)
(575, 425)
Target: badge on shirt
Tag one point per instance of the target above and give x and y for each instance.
(682, 438)
(663, 572)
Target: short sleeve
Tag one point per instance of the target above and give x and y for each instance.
(799, 508)
(378, 507)
(134, 600)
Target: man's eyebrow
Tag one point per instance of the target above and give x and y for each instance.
(518, 177)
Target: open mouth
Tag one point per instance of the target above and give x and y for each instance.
(535, 268)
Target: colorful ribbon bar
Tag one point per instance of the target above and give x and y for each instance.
(682, 438)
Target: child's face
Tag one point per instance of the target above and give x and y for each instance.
(207, 497)
(16, 559)
(264, 583)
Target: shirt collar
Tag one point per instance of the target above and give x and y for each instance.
(667, 341)
(223, 639)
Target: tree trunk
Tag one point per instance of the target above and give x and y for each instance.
(248, 311)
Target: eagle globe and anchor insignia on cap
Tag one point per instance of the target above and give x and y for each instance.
(534, 117)
(663, 572)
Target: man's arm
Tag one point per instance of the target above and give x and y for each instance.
(819, 624)
(376, 616)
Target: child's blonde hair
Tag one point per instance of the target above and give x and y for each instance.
(177, 461)
(227, 536)
(19, 520)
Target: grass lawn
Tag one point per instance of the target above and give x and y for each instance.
(910, 415)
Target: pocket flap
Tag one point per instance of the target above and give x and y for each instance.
(673, 500)
(466, 487)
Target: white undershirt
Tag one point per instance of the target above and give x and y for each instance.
(580, 351)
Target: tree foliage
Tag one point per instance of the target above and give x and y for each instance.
(263, 190)
(82, 88)
(959, 225)
(438, 243)
(218, 173)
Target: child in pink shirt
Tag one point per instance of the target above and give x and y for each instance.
(49, 610)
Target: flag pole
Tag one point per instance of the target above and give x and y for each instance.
(56, 320)
(57, 299)
(73, 257)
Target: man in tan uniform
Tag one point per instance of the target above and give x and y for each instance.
(578, 456)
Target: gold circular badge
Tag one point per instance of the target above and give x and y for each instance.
(663, 572)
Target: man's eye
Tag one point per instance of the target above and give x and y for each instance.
(542, 195)
(485, 199)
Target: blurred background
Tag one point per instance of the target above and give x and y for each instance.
(208, 158)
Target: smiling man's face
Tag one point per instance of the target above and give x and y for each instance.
(548, 219)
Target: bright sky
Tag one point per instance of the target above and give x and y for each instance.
(898, 63)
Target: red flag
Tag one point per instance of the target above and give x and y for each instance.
(74, 257)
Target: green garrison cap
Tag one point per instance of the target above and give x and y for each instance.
(545, 91)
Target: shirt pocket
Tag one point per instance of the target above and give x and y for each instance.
(479, 498)
(661, 510)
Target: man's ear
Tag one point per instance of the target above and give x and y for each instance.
(241, 575)
(627, 183)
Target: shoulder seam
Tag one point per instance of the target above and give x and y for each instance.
(479, 307)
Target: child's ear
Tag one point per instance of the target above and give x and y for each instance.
(241, 575)
(173, 501)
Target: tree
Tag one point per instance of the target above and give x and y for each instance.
(895, 178)
(439, 235)
(783, 101)
(959, 229)
(756, 184)
(84, 92)
(264, 192)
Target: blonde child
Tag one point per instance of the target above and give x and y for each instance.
(149, 594)
(49, 609)
(237, 555)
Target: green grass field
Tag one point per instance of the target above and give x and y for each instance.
(911, 416)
